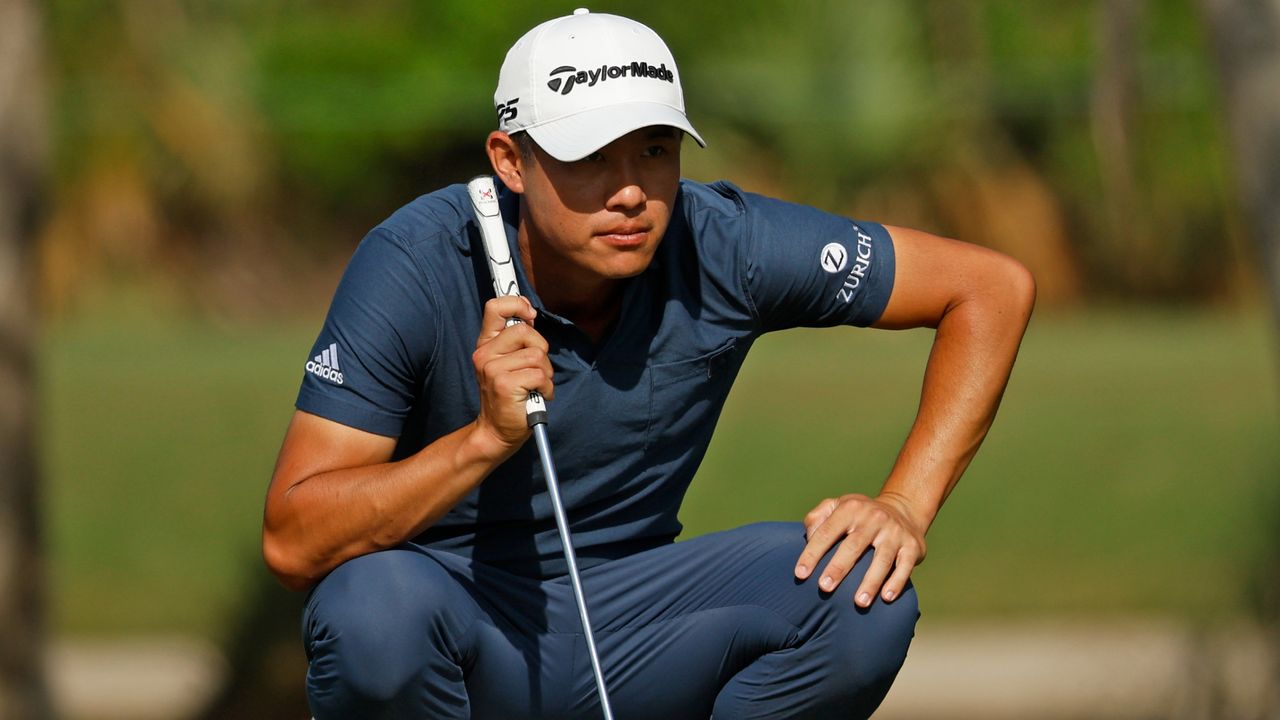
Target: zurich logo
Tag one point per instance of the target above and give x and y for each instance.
(833, 257)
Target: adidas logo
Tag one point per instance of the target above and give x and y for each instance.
(325, 364)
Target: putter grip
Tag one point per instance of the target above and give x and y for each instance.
(484, 200)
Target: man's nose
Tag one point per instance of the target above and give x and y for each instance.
(628, 188)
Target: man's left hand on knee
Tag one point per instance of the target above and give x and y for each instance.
(856, 523)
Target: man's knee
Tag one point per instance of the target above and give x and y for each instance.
(874, 641)
(871, 643)
(377, 620)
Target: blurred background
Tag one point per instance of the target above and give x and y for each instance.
(181, 184)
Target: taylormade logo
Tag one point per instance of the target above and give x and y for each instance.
(566, 77)
(325, 364)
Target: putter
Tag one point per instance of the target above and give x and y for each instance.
(484, 200)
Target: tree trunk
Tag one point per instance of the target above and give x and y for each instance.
(23, 690)
(1112, 108)
(1246, 37)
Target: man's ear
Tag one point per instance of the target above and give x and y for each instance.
(507, 162)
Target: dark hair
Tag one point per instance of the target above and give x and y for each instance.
(526, 145)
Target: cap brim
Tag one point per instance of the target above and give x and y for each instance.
(577, 136)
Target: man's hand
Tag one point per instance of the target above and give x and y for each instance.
(857, 522)
(510, 362)
(979, 301)
(336, 492)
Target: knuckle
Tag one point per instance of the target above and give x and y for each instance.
(824, 530)
(501, 383)
(854, 545)
(863, 533)
(910, 555)
(493, 310)
(482, 362)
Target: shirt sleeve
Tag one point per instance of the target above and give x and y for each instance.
(377, 341)
(807, 268)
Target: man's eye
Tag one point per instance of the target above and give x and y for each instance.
(594, 157)
(655, 151)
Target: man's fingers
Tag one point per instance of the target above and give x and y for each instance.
(519, 358)
(840, 564)
(881, 564)
(518, 384)
(894, 586)
(510, 362)
(821, 539)
(827, 524)
(819, 515)
(507, 341)
(498, 310)
(856, 523)
(518, 373)
(843, 560)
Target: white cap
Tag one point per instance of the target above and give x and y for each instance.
(579, 82)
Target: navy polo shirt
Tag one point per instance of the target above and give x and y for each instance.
(633, 416)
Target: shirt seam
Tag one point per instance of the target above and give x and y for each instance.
(742, 264)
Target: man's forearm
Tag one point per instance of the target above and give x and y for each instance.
(315, 522)
(973, 352)
(979, 302)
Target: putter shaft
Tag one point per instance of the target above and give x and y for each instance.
(484, 201)
(562, 523)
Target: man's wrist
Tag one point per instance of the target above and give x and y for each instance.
(484, 446)
(919, 513)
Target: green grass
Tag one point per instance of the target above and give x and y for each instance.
(1133, 467)
(159, 439)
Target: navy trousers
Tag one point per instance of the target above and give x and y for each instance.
(716, 627)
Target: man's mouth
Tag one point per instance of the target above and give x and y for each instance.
(625, 235)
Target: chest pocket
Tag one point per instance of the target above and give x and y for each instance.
(686, 397)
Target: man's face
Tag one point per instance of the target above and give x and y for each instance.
(602, 217)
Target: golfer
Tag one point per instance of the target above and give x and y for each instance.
(410, 503)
